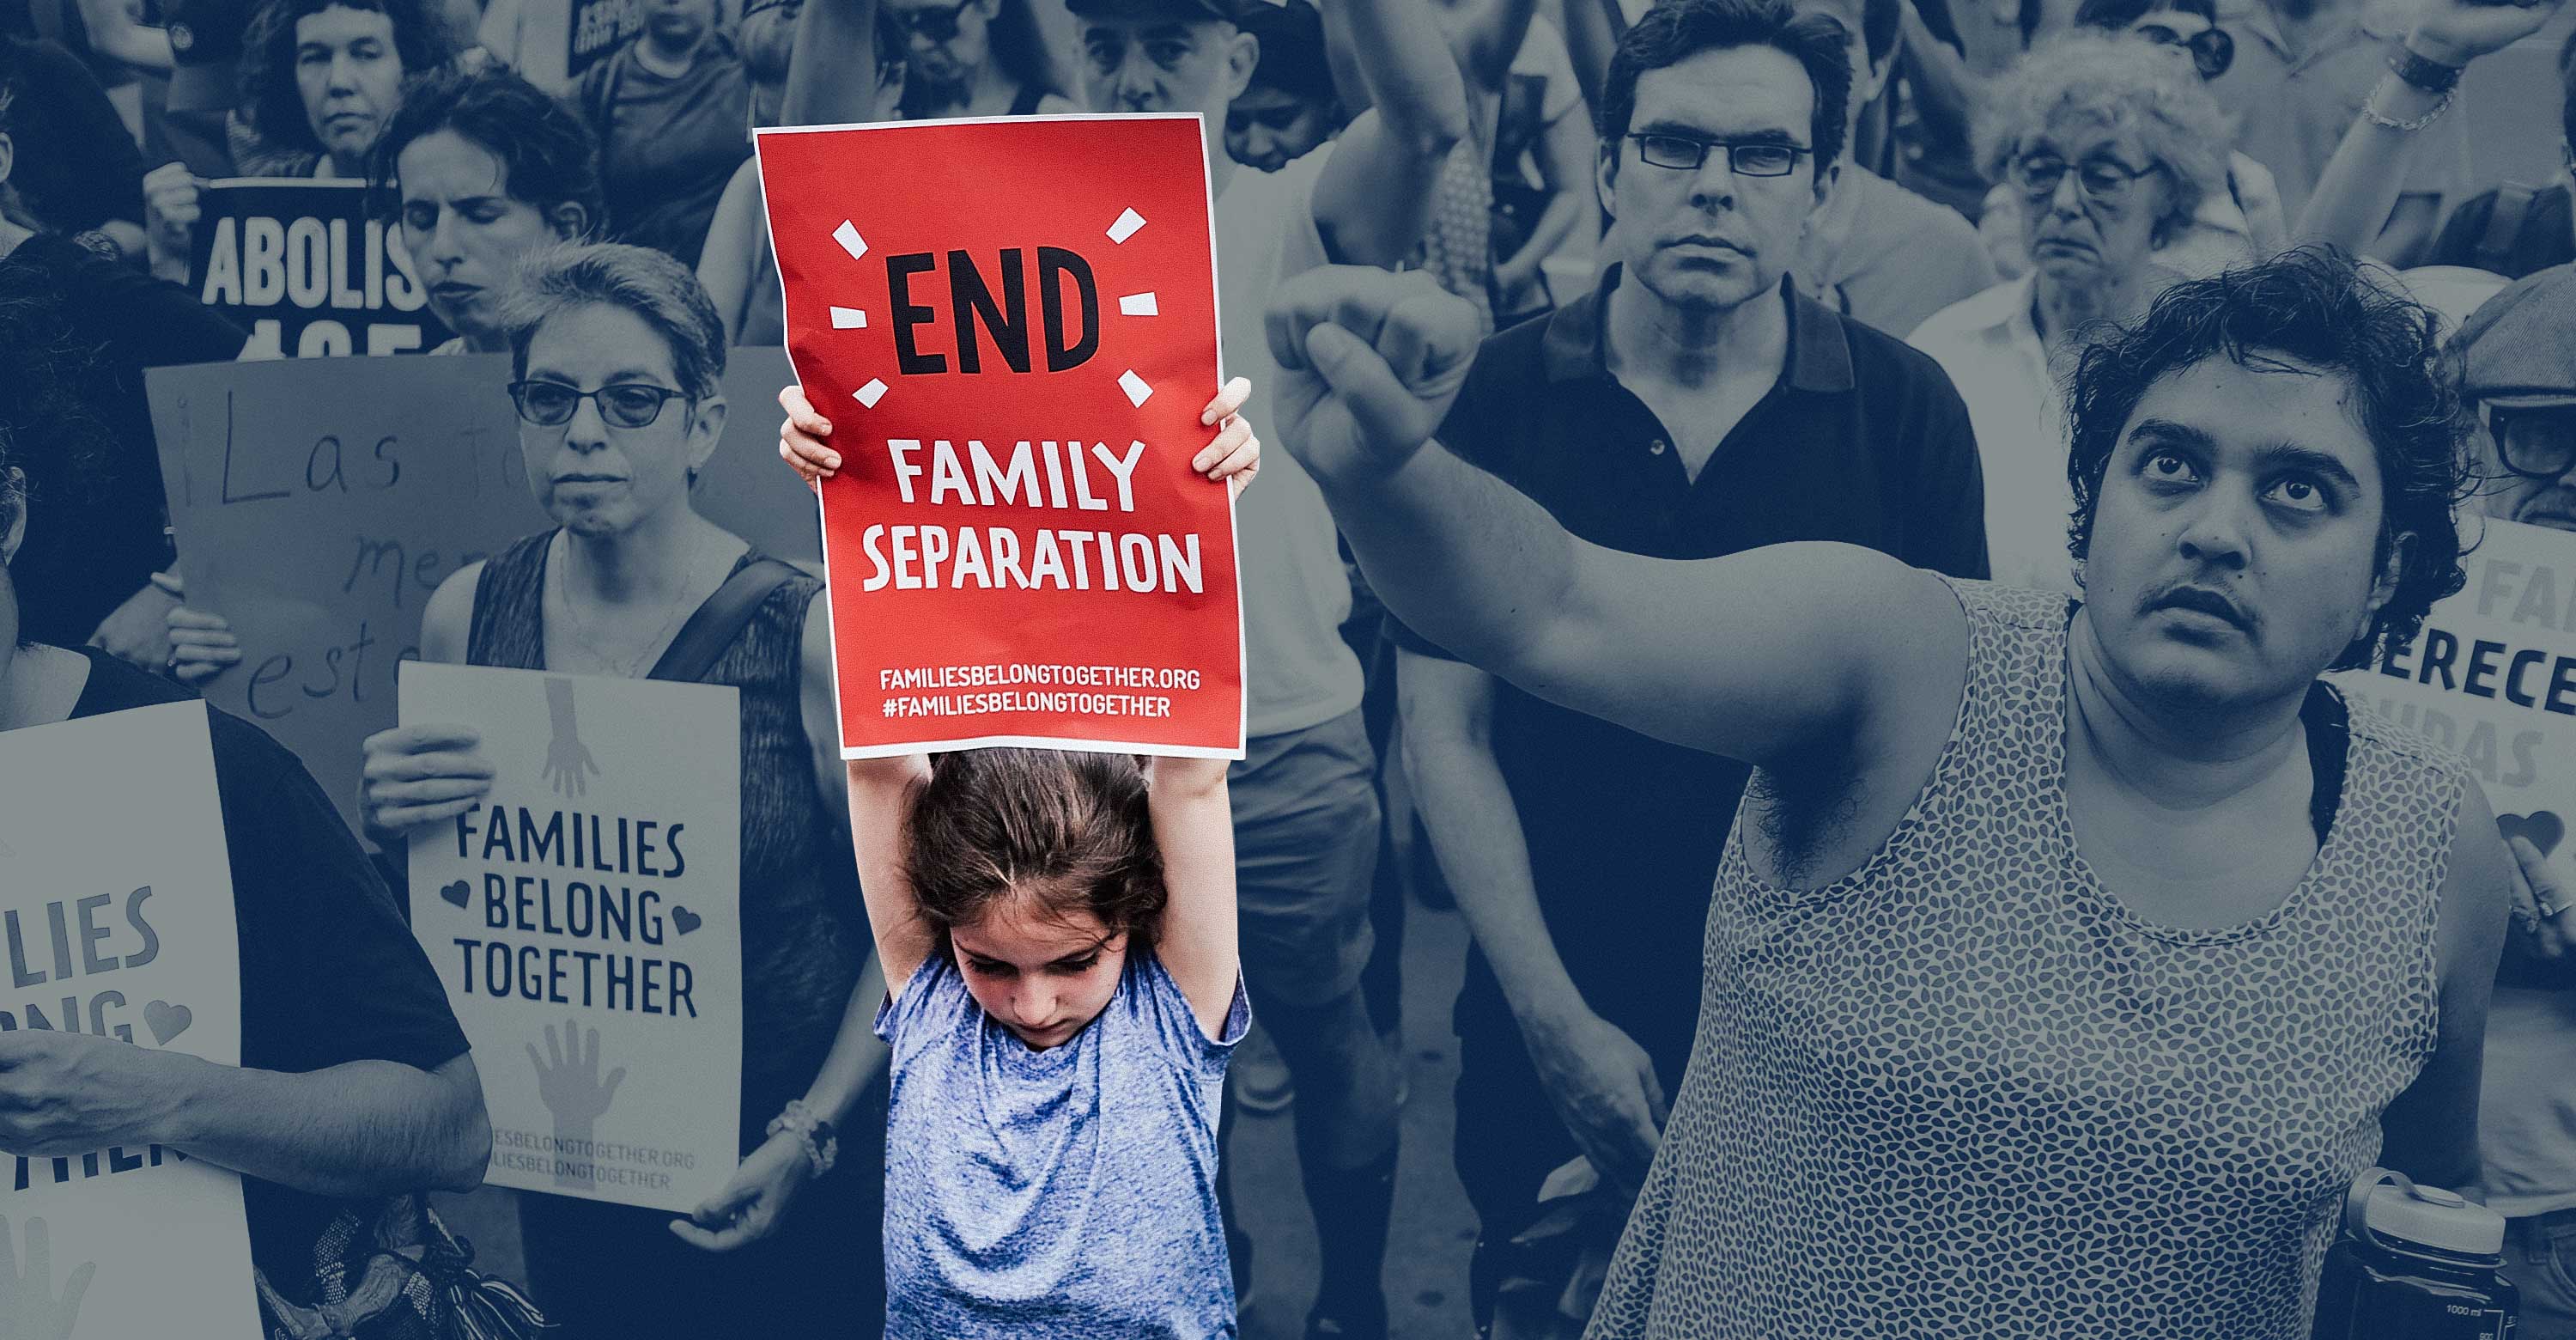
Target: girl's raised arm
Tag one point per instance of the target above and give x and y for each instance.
(1194, 828)
(881, 795)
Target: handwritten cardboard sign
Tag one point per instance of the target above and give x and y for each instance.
(1012, 325)
(586, 920)
(299, 265)
(116, 915)
(2493, 677)
(318, 506)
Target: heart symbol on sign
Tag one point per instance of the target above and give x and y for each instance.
(166, 1020)
(455, 893)
(685, 919)
(2543, 828)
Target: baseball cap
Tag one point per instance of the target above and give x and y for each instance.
(1173, 11)
(2519, 350)
(1293, 55)
(206, 53)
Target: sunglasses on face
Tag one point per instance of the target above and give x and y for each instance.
(1746, 158)
(933, 23)
(621, 404)
(2212, 50)
(2535, 443)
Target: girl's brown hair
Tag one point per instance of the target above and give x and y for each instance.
(1069, 830)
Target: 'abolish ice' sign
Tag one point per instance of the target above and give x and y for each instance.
(1012, 326)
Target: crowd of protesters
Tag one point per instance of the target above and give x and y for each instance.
(1793, 344)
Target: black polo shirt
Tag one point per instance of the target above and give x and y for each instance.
(1863, 440)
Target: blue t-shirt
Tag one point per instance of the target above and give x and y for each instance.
(1069, 1192)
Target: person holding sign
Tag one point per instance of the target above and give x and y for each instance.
(2517, 358)
(323, 77)
(1063, 993)
(2142, 912)
(1307, 815)
(355, 1083)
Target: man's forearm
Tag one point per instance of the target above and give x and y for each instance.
(366, 1128)
(1476, 834)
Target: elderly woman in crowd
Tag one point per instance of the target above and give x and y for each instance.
(323, 78)
(618, 358)
(2109, 147)
(2235, 226)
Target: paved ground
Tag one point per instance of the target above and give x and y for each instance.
(1427, 1254)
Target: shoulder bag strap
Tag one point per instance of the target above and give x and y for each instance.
(716, 623)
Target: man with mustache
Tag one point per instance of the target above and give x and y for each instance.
(2518, 371)
(2047, 924)
(1694, 405)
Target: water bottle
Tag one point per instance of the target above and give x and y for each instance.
(2415, 1263)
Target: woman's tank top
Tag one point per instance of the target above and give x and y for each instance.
(1964, 1091)
(801, 947)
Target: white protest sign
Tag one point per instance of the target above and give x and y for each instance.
(116, 915)
(586, 920)
(2493, 677)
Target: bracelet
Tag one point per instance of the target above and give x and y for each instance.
(822, 1147)
(2423, 71)
(2372, 115)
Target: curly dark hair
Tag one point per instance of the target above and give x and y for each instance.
(1676, 30)
(1067, 829)
(421, 38)
(2316, 306)
(548, 154)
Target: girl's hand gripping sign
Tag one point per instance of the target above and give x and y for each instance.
(1011, 326)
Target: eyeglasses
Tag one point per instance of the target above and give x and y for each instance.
(2102, 179)
(2212, 50)
(621, 404)
(1745, 158)
(2535, 443)
(931, 23)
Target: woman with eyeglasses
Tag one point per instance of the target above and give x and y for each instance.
(975, 58)
(2108, 147)
(619, 359)
(2240, 224)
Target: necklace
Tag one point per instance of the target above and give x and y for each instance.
(581, 632)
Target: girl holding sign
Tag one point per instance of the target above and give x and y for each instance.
(1057, 932)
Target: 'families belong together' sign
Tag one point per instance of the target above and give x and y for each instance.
(586, 921)
(1012, 326)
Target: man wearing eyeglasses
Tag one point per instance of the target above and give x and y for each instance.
(2517, 360)
(1695, 404)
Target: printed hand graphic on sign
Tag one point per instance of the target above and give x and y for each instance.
(567, 758)
(28, 1308)
(572, 1090)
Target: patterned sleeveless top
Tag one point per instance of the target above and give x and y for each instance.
(802, 949)
(1965, 1092)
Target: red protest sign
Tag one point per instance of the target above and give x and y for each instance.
(1012, 326)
